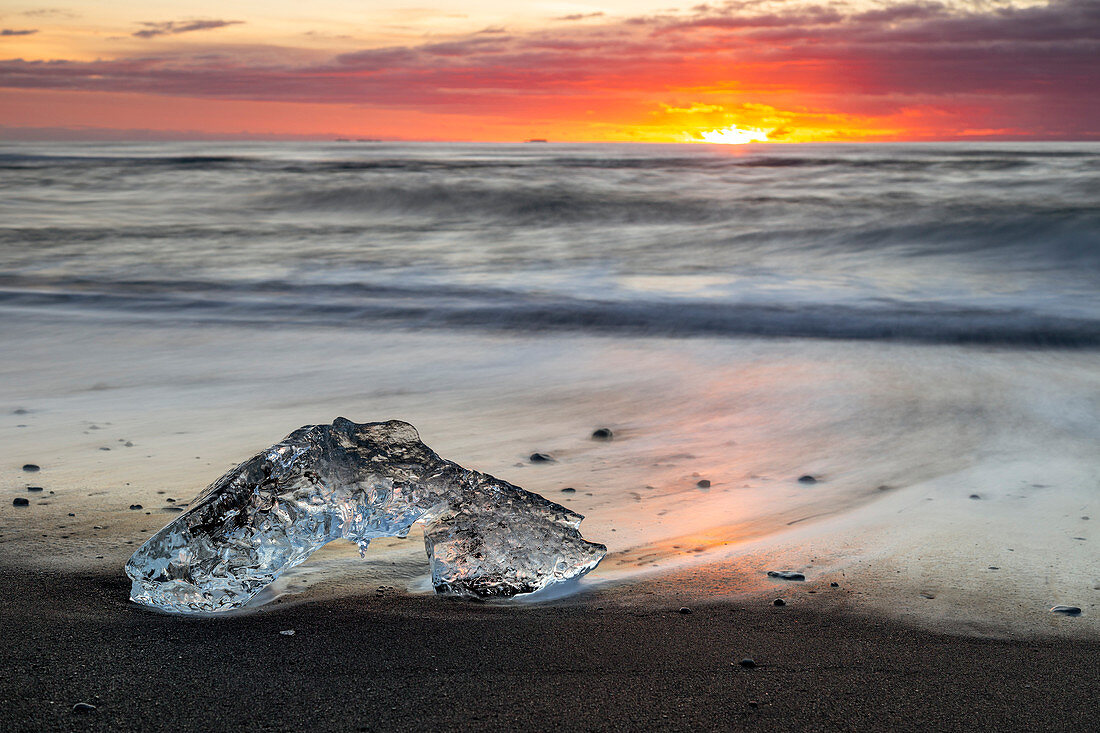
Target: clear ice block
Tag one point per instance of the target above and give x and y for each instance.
(484, 537)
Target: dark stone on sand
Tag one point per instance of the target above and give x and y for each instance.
(807, 479)
(19, 411)
(34, 488)
(975, 496)
(753, 704)
(703, 483)
(84, 707)
(748, 663)
(71, 514)
(541, 458)
(834, 584)
(170, 500)
(685, 609)
(104, 448)
(786, 575)
(779, 602)
(135, 507)
(31, 467)
(602, 434)
(568, 490)
(20, 501)
(1066, 610)
(172, 509)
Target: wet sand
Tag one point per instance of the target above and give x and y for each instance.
(392, 661)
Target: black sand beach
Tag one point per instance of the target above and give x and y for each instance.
(393, 662)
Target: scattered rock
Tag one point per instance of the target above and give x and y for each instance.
(31, 467)
(602, 434)
(20, 501)
(34, 488)
(19, 411)
(287, 632)
(170, 500)
(135, 507)
(568, 490)
(703, 483)
(71, 514)
(786, 575)
(748, 663)
(994, 567)
(84, 707)
(927, 595)
(172, 509)
(1066, 610)
(128, 444)
(1085, 518)
(753, 704)
(834, 584)
(103, 447)
(685, 609)
(807, 479)
(975, 497)
(779, 602)
(541, 458)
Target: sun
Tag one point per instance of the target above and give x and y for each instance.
(734, 135)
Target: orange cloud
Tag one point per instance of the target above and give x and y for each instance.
(913, 71)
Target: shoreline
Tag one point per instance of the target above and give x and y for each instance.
(388, 660)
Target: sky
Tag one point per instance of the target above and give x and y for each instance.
(497, 70)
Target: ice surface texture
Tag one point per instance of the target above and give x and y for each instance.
(484, 537)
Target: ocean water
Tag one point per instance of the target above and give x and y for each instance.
(942, 243)
(913, 325)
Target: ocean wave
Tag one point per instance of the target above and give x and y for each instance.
(441, 306)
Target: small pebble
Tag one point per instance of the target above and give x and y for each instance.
(20, 501)
(685, 609)
(807, 479)
(34, 488)
(287, 632)
(104, 448)
(19, 411)
(71, 514)
(975, 496)
(170, 500)
(786, 575)
(568, 490)
(703, 484)
(753, 704)
(834, 584)
(541, 458)
(172, 509)
(1066, 610)
(779, 602)
(602, 434)
(83, 707)
(31, 467)
(748, 663)
(136, 506)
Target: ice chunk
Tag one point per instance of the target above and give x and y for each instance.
(484, 537)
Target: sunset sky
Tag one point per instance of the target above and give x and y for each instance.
(630, 70)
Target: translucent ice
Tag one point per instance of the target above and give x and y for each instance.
(484, 537)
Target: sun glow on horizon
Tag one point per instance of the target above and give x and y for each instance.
(734, 135)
